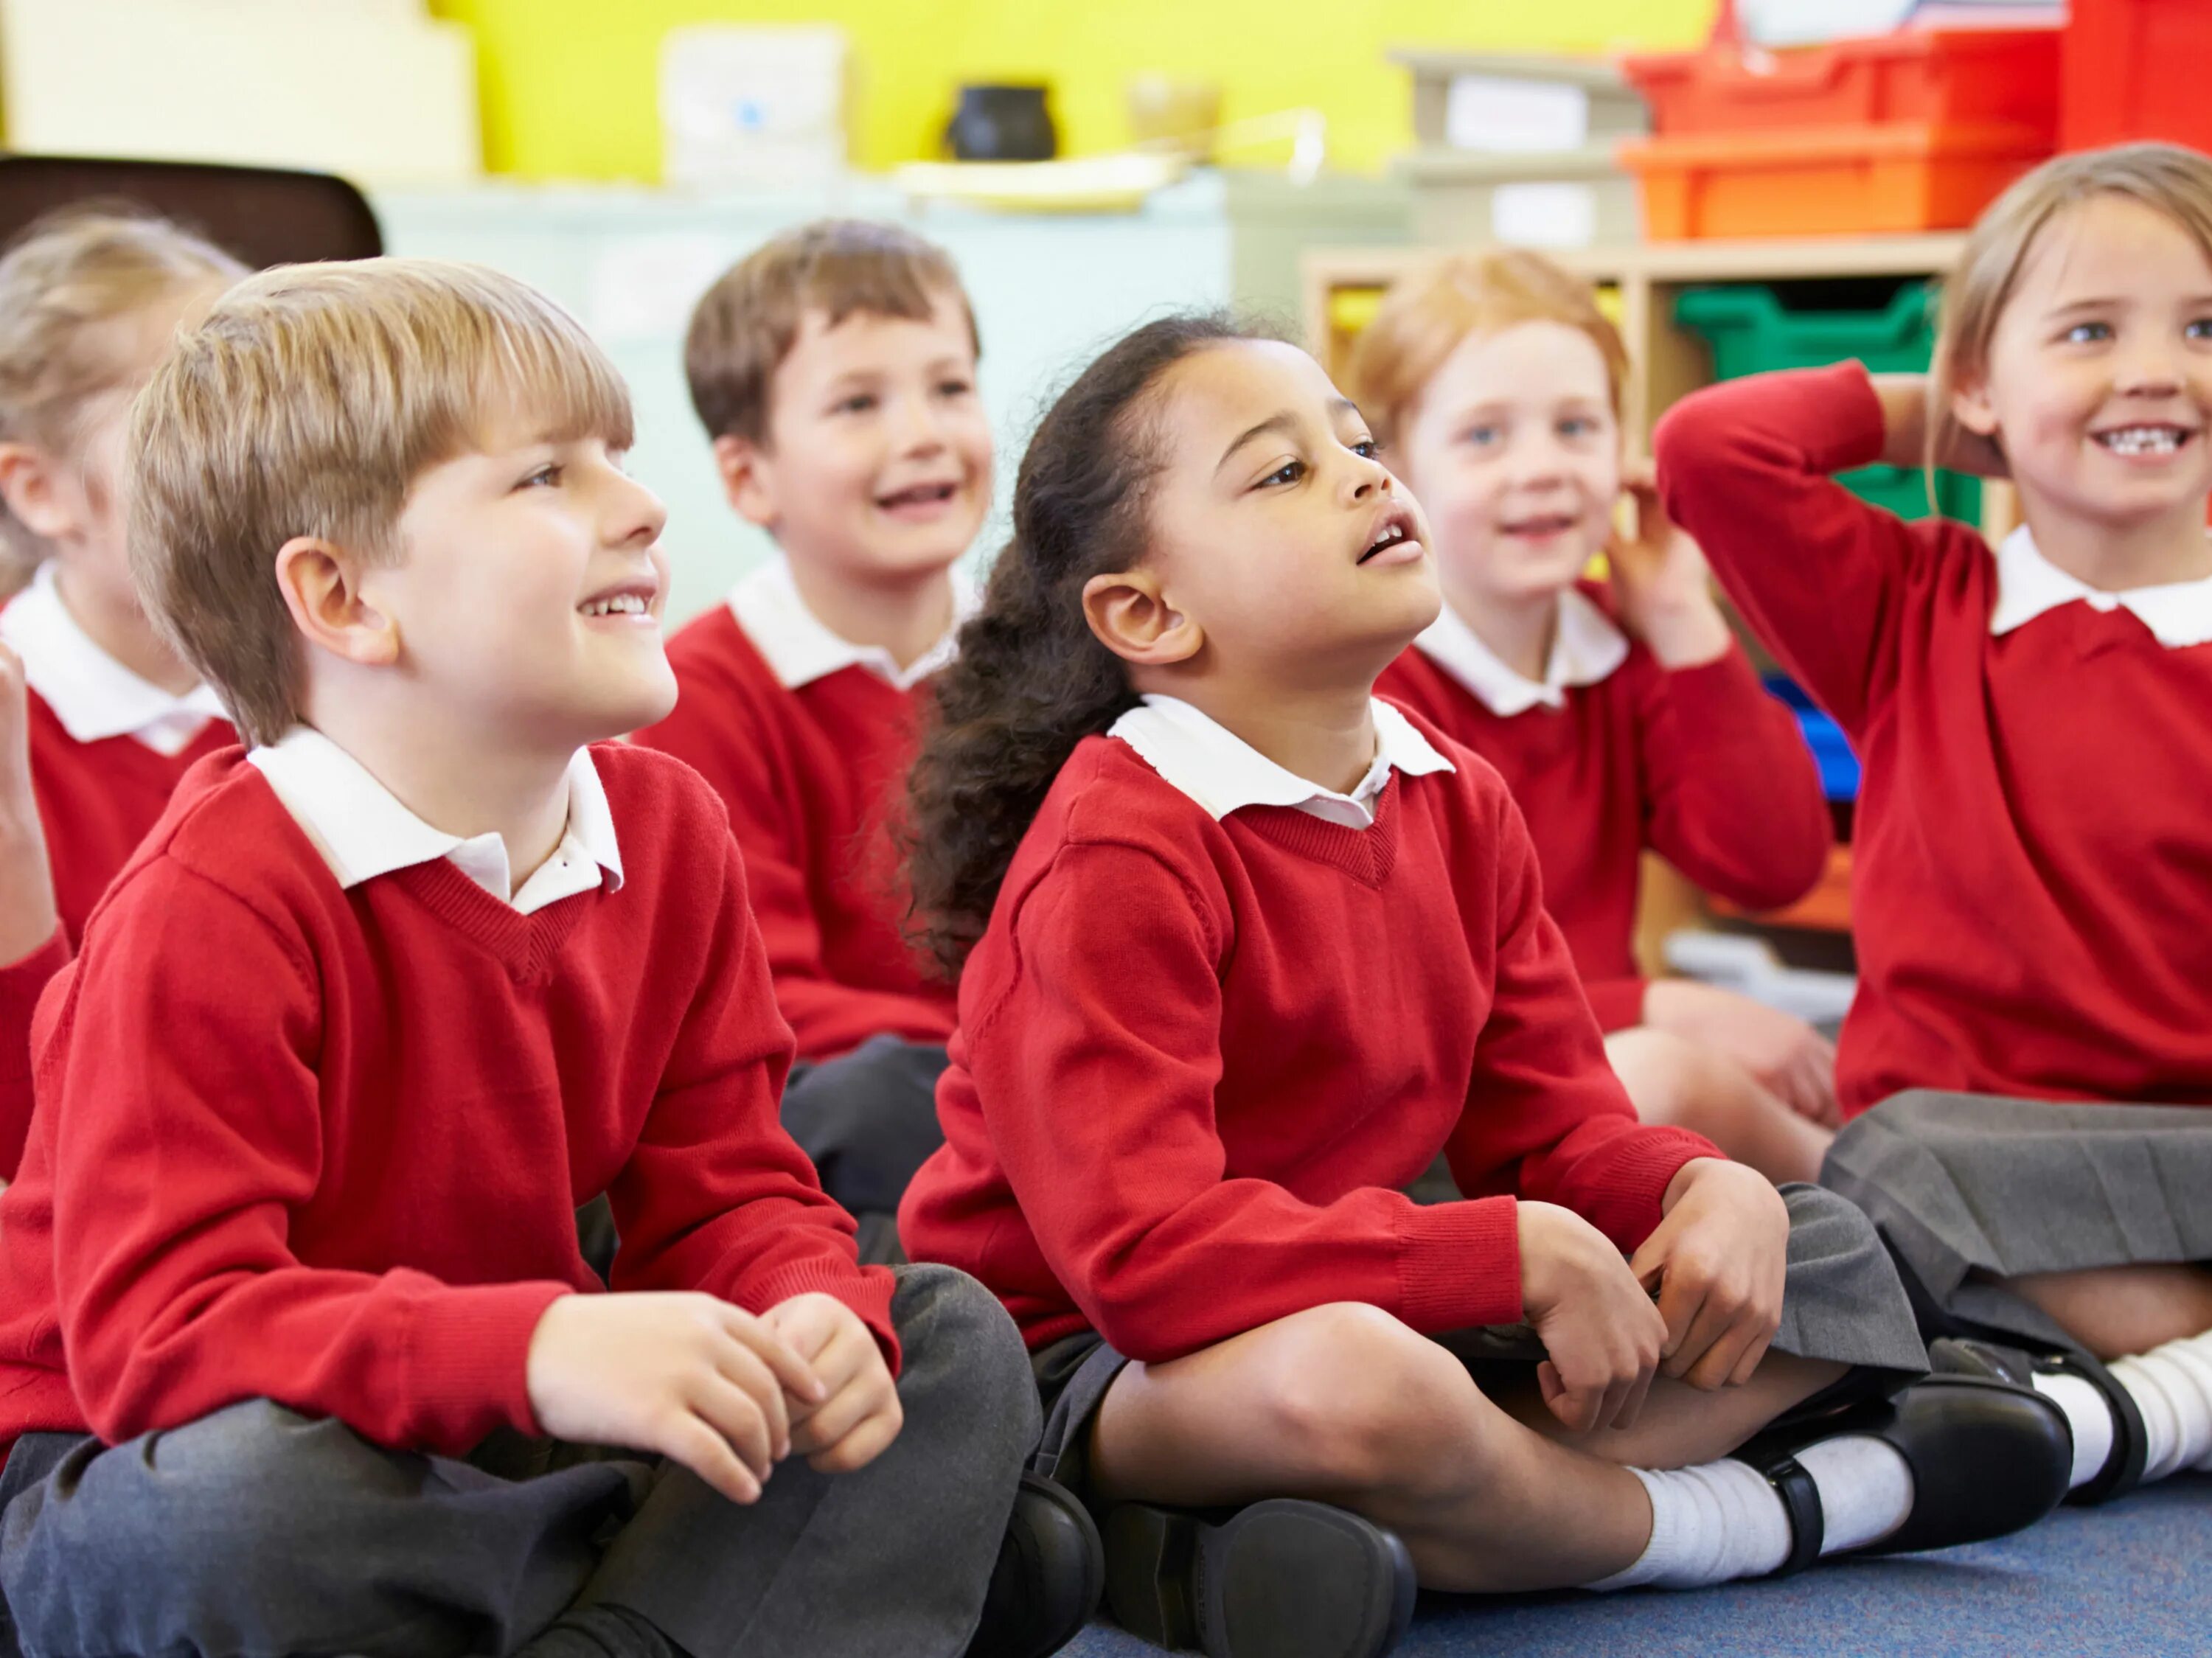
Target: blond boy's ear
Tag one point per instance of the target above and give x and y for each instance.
(321, 584)
(1131, 616)
(1971, 409)
(748, 480)
(38, 497)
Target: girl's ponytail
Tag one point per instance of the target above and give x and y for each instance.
(1031, 680)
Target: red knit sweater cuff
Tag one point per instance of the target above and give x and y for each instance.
(1622, 1198)
(866, 1290)
(1840, 421)
(469, 1360)
(1460, 1264)
(1617, 1003)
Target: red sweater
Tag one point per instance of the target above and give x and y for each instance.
(96, 801)
(808, 775)
(325, 1147)
(1197, 1059)
(2032, 871)
(1700, 765)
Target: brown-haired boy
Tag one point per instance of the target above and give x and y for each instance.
(834, 369)
(375, 1007)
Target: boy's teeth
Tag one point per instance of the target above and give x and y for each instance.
(620, 604)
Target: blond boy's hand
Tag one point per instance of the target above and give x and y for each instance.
(686, 1377)
(1664, 586)
(1601, 1335)
(860, 1414)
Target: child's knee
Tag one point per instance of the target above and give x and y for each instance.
(964, 1358)
(1359, 1401)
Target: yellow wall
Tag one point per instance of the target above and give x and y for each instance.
(568, 85)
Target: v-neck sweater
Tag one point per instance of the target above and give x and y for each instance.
(1198, 1059)
(325, 1147)
(1697, 765)
(809, 775)
(2031, 867)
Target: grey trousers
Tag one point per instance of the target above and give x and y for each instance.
(258, 1531)
(867, 1119)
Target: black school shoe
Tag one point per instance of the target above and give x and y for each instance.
(2123, 1467)
(1280, 1579)
(1987, 1459)
(1047, 1579)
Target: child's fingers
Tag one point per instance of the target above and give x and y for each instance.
(1746, 1366)
(789, 1368)
(690, 1441)
(743, 1369)
(735, 1414)
(847, 1408)
(860, 1447)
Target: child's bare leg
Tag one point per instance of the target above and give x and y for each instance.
(1681, 1426)
(1344, 1404)
(1687, 1084)
(2117, 1310)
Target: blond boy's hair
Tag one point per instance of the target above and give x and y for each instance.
(71, 285)
(307, 403)
(1424, 316)
(746, 325)
(2164, 178)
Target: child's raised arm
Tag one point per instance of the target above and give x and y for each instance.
(1747, 468)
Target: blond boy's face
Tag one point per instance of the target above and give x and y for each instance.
(877, 462)
(529, 590)
(1513, 448)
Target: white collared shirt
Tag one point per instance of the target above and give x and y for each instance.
(2177, 613)
(800, 648)
(1586, 647)
(95, 696)
(363, 831)
(1222, 772)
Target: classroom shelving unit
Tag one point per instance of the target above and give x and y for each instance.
(1639, 282)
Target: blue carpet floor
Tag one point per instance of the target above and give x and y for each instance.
(2120, 1582)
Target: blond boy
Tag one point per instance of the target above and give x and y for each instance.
(379, 1002)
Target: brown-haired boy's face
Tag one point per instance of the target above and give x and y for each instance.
(877, 461)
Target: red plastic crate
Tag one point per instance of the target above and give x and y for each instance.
(2135, 68)
(1947, 77)
(1865, 180)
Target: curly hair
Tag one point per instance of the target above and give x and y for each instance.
(1031, 680)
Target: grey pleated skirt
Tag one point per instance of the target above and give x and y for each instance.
(1965, 1188)
(1841, 1300)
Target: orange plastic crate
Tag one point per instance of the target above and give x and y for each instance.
(1951, 77)
(2134, 68)
(1867, 180)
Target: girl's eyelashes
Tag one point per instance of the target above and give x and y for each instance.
(858, 404)
(2200, 329)
(1289, 472)
(2087, 333)
(955, 388)
(1367, 449)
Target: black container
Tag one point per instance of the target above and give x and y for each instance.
(1002, 123)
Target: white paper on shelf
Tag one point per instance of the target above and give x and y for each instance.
(635, 284)
(1497, 112)
(1541, 214)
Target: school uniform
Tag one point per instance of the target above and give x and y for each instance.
(1221, 1016)
(106, 750)
(2032, 880)
(318, 1102)
(1609, 754)
(807, 738)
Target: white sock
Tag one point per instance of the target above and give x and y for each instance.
(1711, 1524)
(2089, 1415)
(1723, 1521)
(1866, 1489)
(2172, 1387)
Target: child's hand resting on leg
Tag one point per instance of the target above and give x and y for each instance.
(686, 1376)
(858, 1413)
(1717, 1259)
(1785, 1055)
(1601, 1332)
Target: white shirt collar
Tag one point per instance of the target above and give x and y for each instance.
(95, 696)
(799, 648)
(1586, 647)
(1222, 772)
(2177, 613)
(363, 831)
